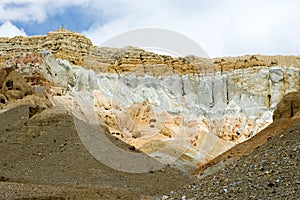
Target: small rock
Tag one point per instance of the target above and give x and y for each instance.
(224, 190)
(164, 197)
(271, 184)
(64, 144)
(233, 184)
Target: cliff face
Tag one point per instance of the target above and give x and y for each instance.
(206, 115)
(79, 50)
(178, 110)
(62, 43)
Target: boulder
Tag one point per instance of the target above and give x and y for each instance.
(288, 106)
(15, 87)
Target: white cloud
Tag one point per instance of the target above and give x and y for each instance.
(221, 27)
(34, 10)
(7, 29)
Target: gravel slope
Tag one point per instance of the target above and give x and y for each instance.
(271, 171)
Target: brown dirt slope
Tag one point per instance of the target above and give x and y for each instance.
(42, 157)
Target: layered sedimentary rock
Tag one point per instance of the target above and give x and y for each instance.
(205, 115)
(178, 110)
(79, 50)
(62, 43)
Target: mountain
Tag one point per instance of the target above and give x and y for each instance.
(132, 110)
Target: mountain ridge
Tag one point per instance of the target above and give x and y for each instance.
(79, 50)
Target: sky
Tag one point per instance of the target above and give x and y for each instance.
(220, 27)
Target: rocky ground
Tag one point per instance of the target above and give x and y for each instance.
(271, 171)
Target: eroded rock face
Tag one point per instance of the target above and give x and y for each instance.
(288, 106)
(248, 61)
(3, 99)
(79, 50)
(24, 83)
(3, 75)
(15, 87)
(209, 117)
(62, 43)
(178, 110)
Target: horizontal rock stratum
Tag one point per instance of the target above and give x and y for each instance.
(79, 50)
(181, 111)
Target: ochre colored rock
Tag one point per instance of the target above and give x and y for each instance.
(196, 117)
(62, 43)
(15, 87)
(241, 62)
(288, 107)
(3, 99)
(79, 50)
(3, 75)
(14, 94)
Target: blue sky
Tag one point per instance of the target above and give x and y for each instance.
(221, 27)
(73, 18)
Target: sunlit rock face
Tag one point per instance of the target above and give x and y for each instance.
(183, 111)
(187, 118)
(62, 43)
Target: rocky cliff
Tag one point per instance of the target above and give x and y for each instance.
(79, 50)
(184, 111)
(62, 43)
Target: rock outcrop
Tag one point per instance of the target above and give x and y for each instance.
(288, 107)
(62, 43)
(15, 87)
(178, 110)
(79, 50)
(206, 115)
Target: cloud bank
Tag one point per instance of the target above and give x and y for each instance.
(221, 27)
